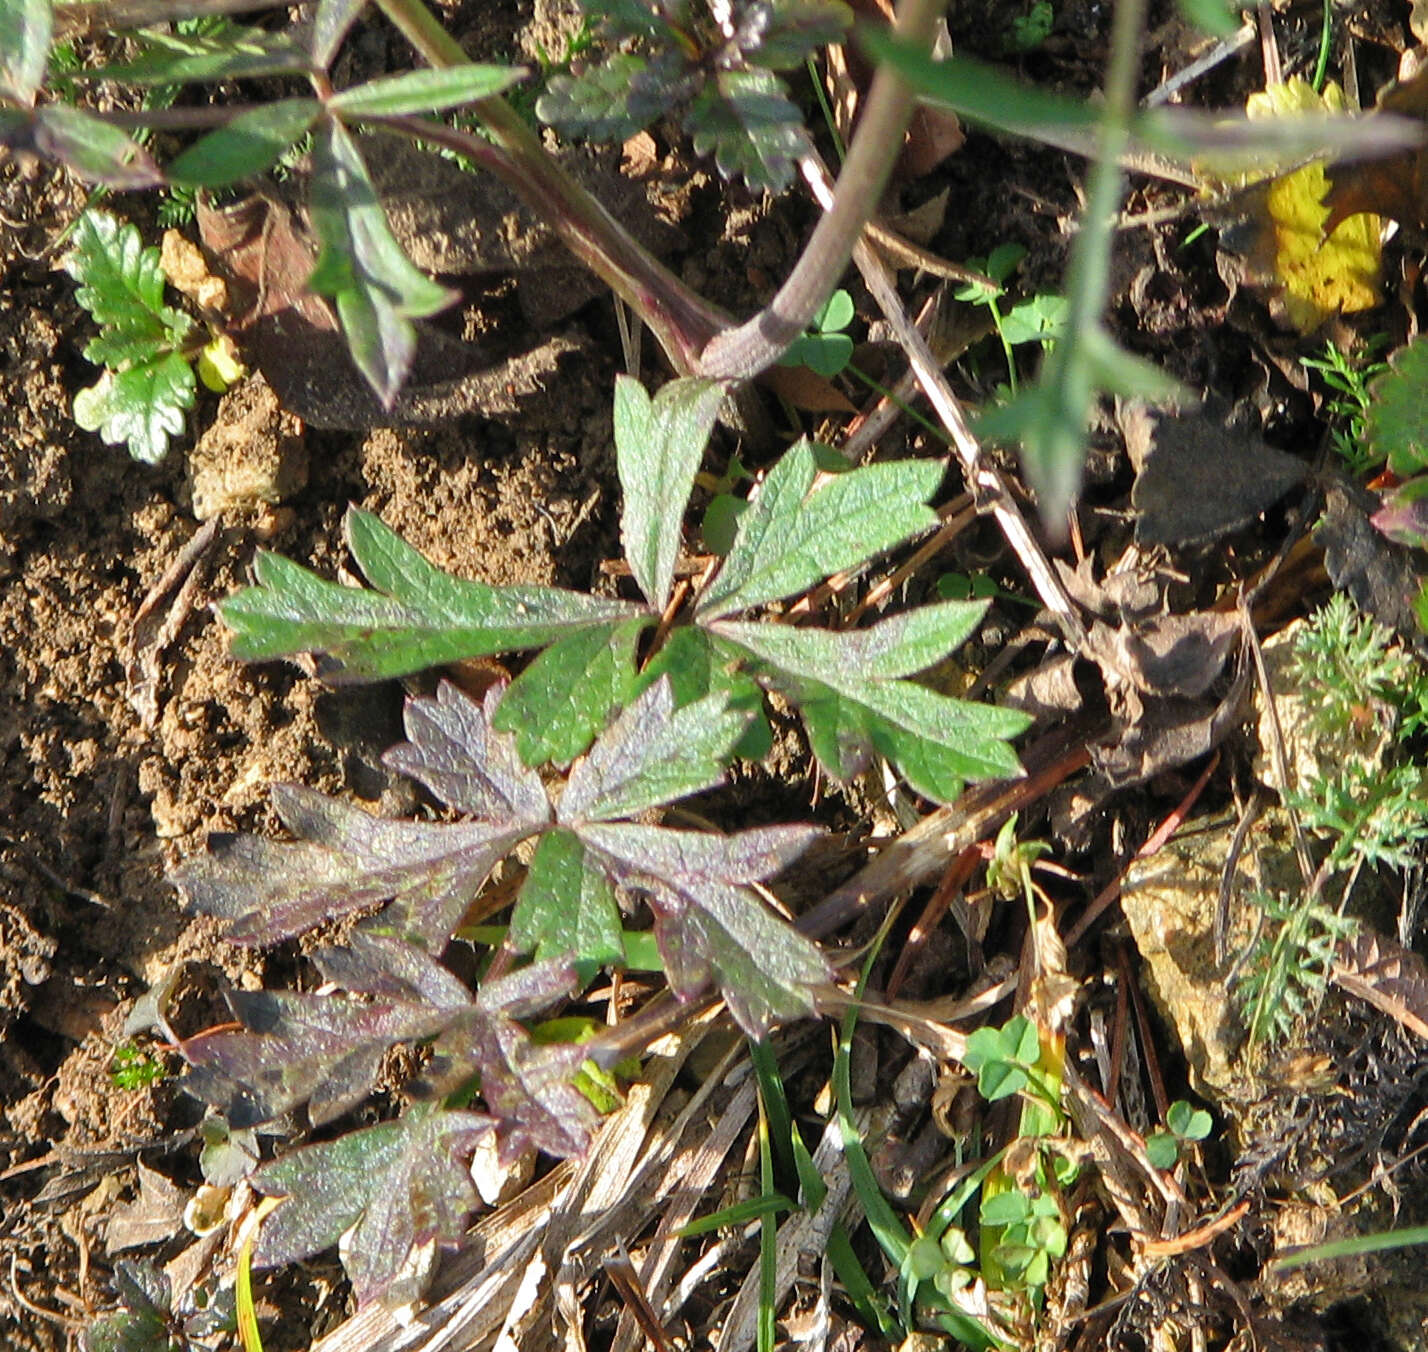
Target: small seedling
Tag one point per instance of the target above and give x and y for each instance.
(1028, 31)
(1004, 1059)
(151, 1321)
(145, 346)
(1037, 319)
(1366, 698)
(1347, 404)
(1183, 1125)
(827, 349)
(132, 1068)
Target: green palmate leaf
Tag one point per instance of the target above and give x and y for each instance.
(848, 689)
(659, 444)
(91, 148)
(425, 91)
(25, 30)
(794, 534)
(695, 667)
(249, 144)
(566, 908)
(745, 119)
(329, 27)
(572, 690)
(653, 754)
(709, 925)
(181, 58)
(418, 617)
(142, 406)
(1397, 420)
(376, 288)
(401, 1187)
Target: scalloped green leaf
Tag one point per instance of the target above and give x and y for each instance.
(1397, 420)
(746, 120)
(141, 407)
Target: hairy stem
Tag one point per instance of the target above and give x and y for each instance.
(697, 336)
(682, 321)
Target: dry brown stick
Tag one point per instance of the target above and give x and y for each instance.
(985, 483)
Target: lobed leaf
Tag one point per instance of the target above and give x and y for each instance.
(848, 690)
(613, 99)
(345, 860)
(570, 692)
(782, 34)
(142, 406)
(795, 534)
(425, 91)
(455, 752)
(322, 1050)
(122, 286)
(251, 143)
(1397, 416)
(418, 617)
(709, 926)
(376, 288)
(653, 754)
(527, 1086)
(401, 1188)
(745, 119)
(659, 444)
(696, 665)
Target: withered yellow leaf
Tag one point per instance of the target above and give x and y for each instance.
(1320, 277)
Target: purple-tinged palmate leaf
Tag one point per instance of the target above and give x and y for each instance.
(709, 925)
(324, 1050)
(344, 860)
(401, 1188)
(653, 754)
(381, 965)
(454, 751)
(526, 1085)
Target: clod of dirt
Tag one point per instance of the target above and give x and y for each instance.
(24, 962)
(252, 453)
(1170, 902)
